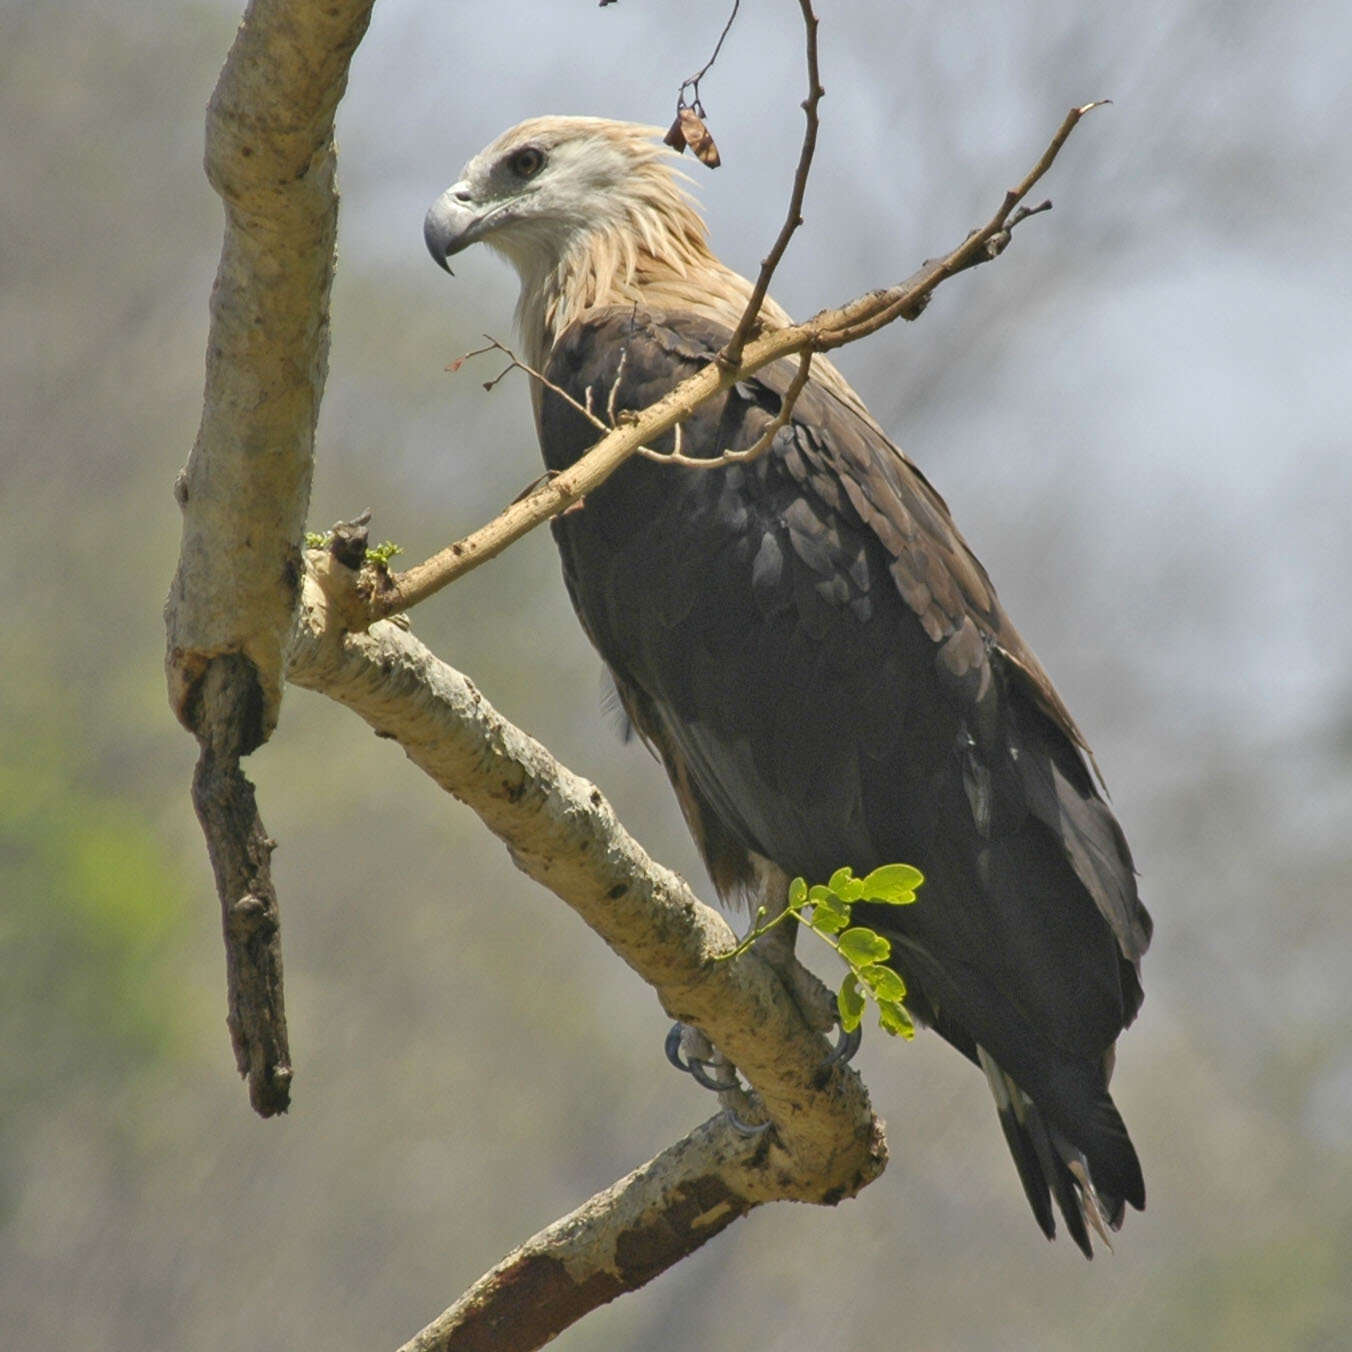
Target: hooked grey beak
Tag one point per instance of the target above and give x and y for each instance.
(452, 223)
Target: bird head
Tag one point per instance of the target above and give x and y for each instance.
(594, 214)
(588, 211)
(537, 191)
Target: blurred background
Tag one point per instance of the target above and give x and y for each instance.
(1140, 419)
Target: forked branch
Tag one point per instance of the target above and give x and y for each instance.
(269, 154)
(612, 419)
(824, 331)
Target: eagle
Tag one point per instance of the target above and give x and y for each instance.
(815, 654)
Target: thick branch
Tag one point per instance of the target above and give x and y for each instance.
(246, 486)
(240, 859)
(824, 331)
(560, 830)
(825, 1143)
(616, 1242)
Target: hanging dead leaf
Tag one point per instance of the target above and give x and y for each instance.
(690, 128)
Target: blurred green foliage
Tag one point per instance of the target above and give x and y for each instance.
(94, 910)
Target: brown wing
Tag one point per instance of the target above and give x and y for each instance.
(829, 677)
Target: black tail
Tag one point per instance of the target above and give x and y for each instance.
(1091, 1184)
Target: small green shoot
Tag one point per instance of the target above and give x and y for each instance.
(825, 908)
(378, 555)
(382, 553)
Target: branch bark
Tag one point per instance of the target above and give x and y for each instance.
(616, 1242)
(246, 487)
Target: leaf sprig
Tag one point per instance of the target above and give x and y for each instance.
(825, 909)
(379, 555)
(382, 553)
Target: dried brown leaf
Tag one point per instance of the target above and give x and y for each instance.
(696, 136)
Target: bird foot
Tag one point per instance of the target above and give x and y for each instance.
(689, 1050)
(846, 1046)
(815, 1001)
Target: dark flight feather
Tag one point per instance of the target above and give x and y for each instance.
(829, 678)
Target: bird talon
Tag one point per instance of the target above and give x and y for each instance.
(695, 1066)
(673, 1046)
(747, 1128)
(846, 1046)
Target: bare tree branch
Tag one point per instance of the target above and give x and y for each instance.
(514, 363)
(672, 457)
(246, 487)
(909, 300)
(559, 829)
(692, 82)
(762, 442)
(389, 594)
(825, 1142)
(240, 853)
(731, 356)
(616, 1242)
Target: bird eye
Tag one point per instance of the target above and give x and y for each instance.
(527, 161)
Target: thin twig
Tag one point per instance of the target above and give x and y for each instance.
(514, 363)
(692, 83)
(979, 247)
(761, 444)
(731, 355)
(675, 456)
(615, 385)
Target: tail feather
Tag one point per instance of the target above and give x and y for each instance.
(1051, 1167)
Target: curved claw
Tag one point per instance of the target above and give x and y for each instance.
(673, 1046)
(699, 1070)
(745, 1128)
(694, 1066)
(846, 1046)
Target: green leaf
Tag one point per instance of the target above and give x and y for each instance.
(883, 982)
(383, 553)
(892, 884)
(845, 885)
(850, 891)
(818, 892)
(860, 947)
(850, 1003)
(893, 1017)
(829, 917)
(797, 893)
